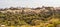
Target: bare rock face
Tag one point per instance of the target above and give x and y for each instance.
(2, 25)
(28, 10)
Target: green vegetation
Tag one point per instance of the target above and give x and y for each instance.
(44, 19)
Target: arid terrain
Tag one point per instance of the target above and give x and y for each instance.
(30, 17)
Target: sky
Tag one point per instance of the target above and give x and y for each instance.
(29, 3)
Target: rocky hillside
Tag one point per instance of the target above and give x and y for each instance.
(30, 17)
(28, 10)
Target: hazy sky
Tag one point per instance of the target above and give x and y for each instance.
(28, 3)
